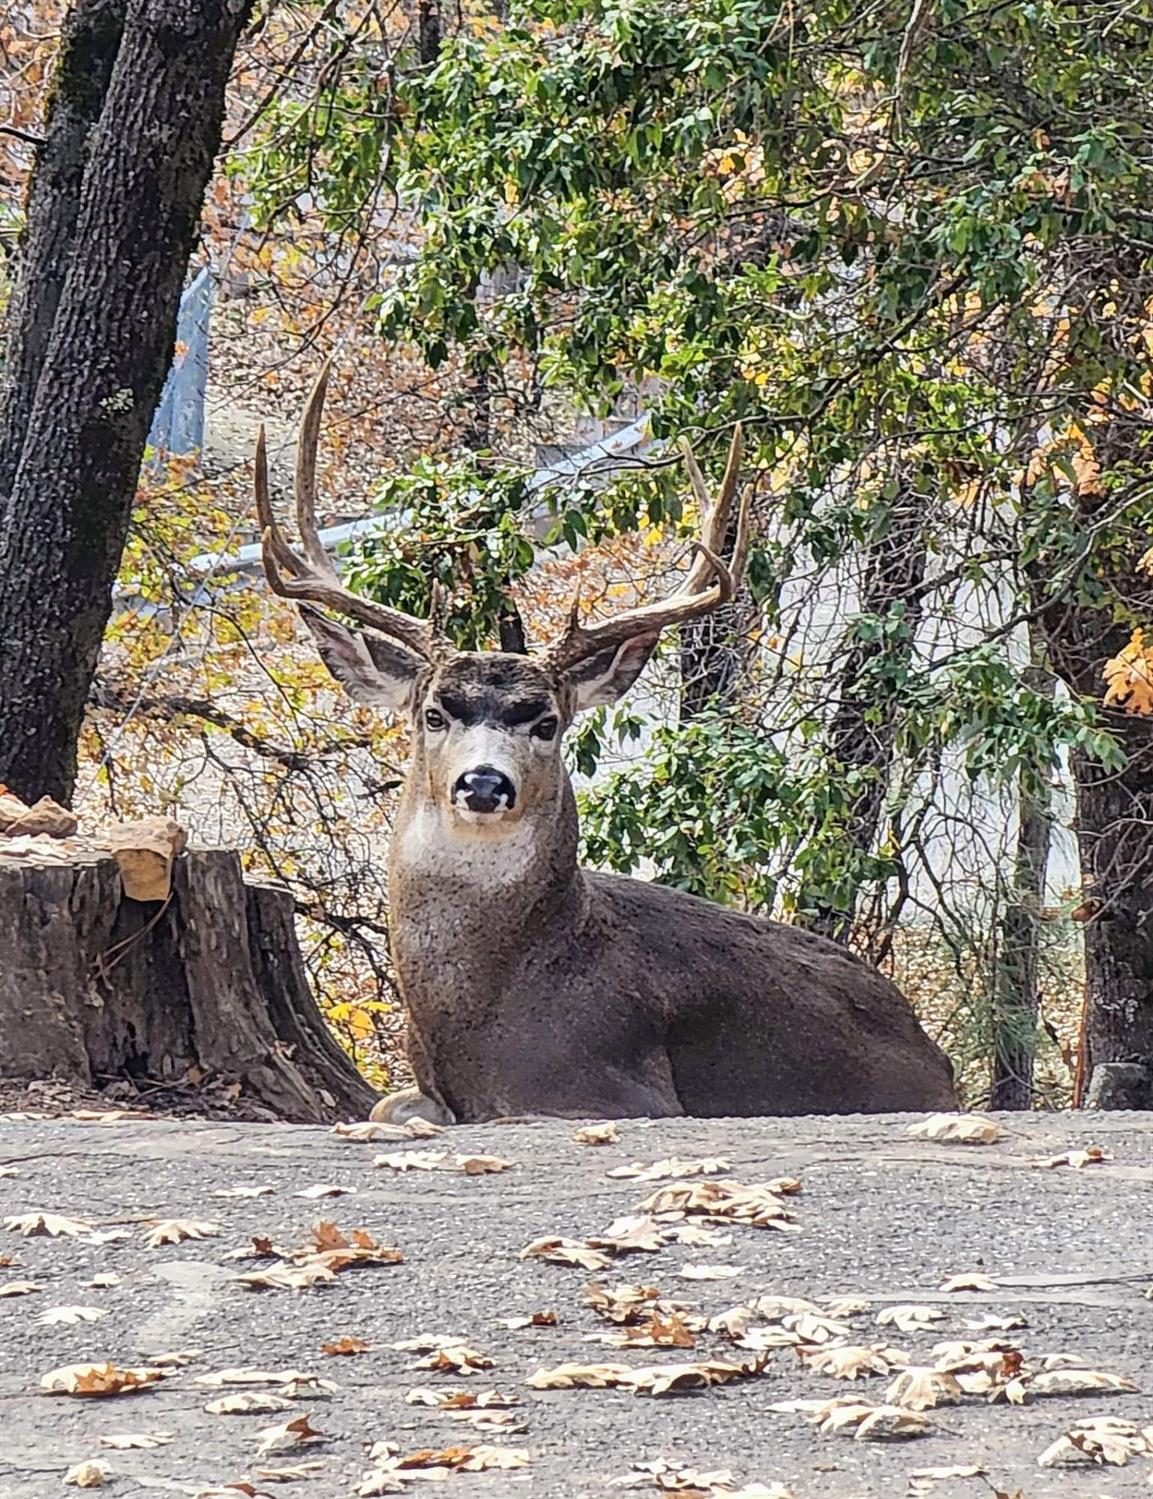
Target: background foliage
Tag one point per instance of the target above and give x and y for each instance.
(908, 250)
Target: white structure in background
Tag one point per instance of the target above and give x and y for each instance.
(966, 828)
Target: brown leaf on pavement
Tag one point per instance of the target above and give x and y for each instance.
(98, 1379)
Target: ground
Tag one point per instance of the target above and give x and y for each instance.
(884, 1217)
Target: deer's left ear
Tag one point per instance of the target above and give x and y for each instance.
(604, 678)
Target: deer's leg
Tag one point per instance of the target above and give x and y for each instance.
(410, 1103)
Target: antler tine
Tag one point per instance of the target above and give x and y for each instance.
(304, 479)
(710, 582)
(313, 578)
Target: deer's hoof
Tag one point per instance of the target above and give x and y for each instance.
(410, 1103)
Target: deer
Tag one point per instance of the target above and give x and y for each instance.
(534, 988)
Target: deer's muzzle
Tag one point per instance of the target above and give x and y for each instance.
(484, 789)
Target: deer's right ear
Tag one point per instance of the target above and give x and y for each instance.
(370, 668)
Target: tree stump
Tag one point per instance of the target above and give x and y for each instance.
(208, 984)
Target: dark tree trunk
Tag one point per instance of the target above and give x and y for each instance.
(1015, 981)
(101, 375)
(714, 658)
(862, 732)
(88, 46)
(207, 988)
(1115, 837)
(715, 651)
(429, 31)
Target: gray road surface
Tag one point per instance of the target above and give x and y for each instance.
(883, 1216)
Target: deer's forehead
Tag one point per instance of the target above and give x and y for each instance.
(493, 688)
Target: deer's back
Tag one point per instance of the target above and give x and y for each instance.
(759, 1016)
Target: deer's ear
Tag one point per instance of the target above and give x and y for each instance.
(603, 678)
(370, 667)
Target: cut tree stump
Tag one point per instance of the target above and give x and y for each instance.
(208, 984)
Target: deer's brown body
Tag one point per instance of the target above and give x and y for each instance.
(597, 996)
(535, 987)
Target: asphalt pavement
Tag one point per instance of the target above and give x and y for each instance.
(1059, 1256)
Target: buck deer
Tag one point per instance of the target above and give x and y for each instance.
(533, 986)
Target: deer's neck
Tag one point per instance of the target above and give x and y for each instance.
(465, 902)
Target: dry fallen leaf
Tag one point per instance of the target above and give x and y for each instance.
(480, 1165)
(1098, 1439)
(960, 1129)
(627, 1303)
(455, 1358)
(869, 1423)
(98, 1379)
(289, 1435)
(815, 1327)
(325, 1189)
(247, 1403)
(1077, 1382)
(757, 1206)
(709, 1272)
(533, 1319)
(636, 1233)
(1078, 1159)
(693, 1236)
(845, 1361)
(671, 1169)
(344, 1346)
(445, 1398)
(70, 1316)
(88, 1475)
(124, 1441)
(289, 1475)
(717, 1483)
(579, 1376)
(909, 1318)
(389, 1477)
(921, 1480)
(103, 1279)
(991, 1322)
(175, 1230)
(369, 1130)
(244, 1192)
(920, 1389)
(51, 1224)
(440, 1160)
(304, 1277)
(656, 1379)
(973, 1281)
(307, 1387)
(659, 1332)
(598, 1134)
(19, 1288)
(560, 1251)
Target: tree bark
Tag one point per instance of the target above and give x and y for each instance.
(88, 45)
(1015, 981)
(207, 985)
(111, 344)
(861, 735)
(1115, 838)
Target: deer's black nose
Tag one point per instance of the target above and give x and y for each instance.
(484, 790)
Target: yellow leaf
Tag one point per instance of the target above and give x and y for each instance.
(1130, 677)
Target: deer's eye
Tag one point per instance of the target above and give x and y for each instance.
(434, 719)
(545, 729)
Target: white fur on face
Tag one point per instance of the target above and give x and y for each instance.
(435, 841)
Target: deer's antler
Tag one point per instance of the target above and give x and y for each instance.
(313, 578)
(710, 581)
